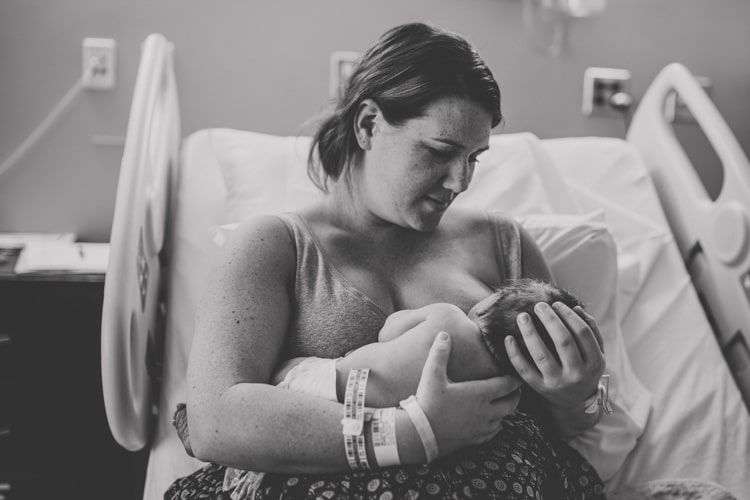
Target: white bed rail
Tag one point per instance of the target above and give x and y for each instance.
(713, 235)
(133, 299)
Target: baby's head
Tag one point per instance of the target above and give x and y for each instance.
(496, 315)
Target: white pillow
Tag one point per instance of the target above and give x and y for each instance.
(517, 176)
(582, 256)
(268, 174)
(262, 173)
(612, 168)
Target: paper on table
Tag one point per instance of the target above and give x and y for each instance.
(38, 256)
(16, 241)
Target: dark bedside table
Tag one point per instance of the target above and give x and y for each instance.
(54, 437)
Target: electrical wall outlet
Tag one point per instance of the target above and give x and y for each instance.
(675, 109)
(599, 85)
(342, 65)
(98, 61)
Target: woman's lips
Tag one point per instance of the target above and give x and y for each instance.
(439, 202)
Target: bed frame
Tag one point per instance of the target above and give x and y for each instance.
(712, 235)
(134, 310)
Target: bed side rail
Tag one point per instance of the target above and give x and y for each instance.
(713, 236)
(133, 315)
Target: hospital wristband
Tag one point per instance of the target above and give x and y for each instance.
(350, 426)
(353, 422)
(600, 400)
(422, 425)
(360, 415)
(383, 430)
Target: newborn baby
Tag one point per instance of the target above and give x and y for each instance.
(396, 360)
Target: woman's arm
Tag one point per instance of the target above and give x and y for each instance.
(235, 418)
(565, 385)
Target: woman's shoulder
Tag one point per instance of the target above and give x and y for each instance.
(503, 233)
(480, 221)
(516, 244)
(261, 239)
(275, 227)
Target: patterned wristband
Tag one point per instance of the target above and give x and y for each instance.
(350, 426)
(353, 423)
(360, 416)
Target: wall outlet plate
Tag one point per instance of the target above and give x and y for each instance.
(98, 63)
(599, 85)
(342, 65)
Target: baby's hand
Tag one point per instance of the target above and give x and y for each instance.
(285, 367)
(465, 413)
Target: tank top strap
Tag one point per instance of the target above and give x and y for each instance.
(506, 233)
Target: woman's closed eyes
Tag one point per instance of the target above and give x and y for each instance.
(441, 153)
(450, 154)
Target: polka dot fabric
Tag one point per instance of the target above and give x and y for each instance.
(522, 462)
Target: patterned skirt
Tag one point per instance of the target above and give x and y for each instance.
(522, 462)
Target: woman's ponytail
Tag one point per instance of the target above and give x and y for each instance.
(331, 150)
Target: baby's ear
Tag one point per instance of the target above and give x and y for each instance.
(484, 306)
(472, 314)
(475, 311)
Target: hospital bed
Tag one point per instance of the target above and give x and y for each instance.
(675, 251)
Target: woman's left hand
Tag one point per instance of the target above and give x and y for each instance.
(569, 377)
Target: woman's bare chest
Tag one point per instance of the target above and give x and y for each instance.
(408, 276)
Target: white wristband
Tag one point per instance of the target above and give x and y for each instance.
(384, 437)
(600, 400)
(424, 429)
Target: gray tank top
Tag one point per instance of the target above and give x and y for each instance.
(330, 316)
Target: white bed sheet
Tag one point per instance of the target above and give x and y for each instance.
(699, 426)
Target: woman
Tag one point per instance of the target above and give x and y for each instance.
(401, 145)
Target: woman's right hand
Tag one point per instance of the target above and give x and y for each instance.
(464, 413)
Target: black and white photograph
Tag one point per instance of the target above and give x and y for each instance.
(396, 250)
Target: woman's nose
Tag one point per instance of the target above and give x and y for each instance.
(459, 176)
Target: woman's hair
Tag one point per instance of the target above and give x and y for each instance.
(496, 315)
(410, 67)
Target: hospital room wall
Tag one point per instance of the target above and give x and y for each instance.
(263, 65)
